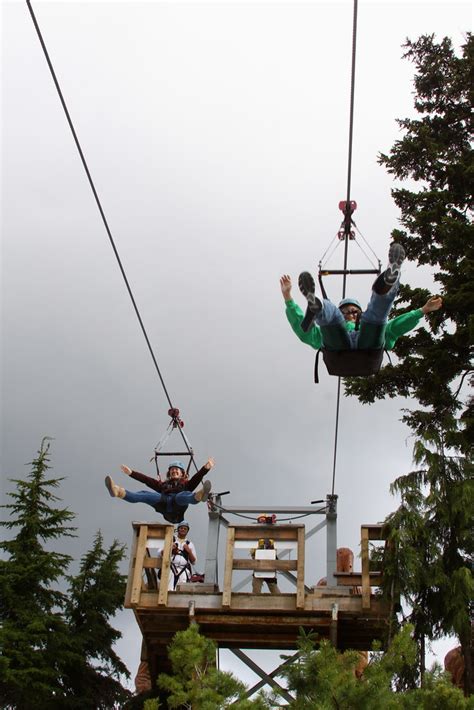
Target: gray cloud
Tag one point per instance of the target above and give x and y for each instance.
(217, 138)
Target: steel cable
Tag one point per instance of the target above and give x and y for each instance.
(102, 214)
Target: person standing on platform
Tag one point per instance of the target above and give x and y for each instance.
(264, 544)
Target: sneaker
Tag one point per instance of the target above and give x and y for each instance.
(396, 256)
(307, 288)
(384, 282)
(202, 495)
(114, 490)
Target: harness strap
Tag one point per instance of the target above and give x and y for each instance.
(178, 572)
(316, 375)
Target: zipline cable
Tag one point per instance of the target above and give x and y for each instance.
(347, 220)
(102, 214)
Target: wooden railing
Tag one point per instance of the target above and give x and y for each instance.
(142, 561)
(365, 579)
(285, 536)
(151, 553)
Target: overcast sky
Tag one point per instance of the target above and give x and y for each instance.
(217, 137)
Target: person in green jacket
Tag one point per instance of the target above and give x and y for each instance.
(346, 326)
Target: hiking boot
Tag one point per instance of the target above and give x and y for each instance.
(384, 282)
(202, 495)
(114, 490)
(307, 287)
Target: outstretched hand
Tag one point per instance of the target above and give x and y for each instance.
(432, 304)
(126, 470)
(285, 285)
(209, 464)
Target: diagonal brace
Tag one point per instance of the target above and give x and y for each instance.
(267, 679)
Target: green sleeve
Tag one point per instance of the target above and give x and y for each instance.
(295, 316)
(401, 325)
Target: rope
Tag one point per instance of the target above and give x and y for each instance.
(102, 214)
(347, 222)
(366, 255)
(335, 243)
(368, 245)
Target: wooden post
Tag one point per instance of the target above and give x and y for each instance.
(133, 554)
(300, 570)
(229, 561)
(364, 550)
(165, 567)
(139, 558)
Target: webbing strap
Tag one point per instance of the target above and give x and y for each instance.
(316, 362)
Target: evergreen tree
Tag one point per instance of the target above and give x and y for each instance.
(33, 633)
(56, 647)
(321, 678)
(324, 679)
(95, 594)
(196, 682)
(431, 561)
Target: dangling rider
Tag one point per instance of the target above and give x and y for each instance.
(346, 326)
(170, 497)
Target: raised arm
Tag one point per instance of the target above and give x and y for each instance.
(195, 480)
(295, 315)
(152, 483)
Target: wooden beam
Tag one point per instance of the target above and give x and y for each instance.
(364, 552)
(300, 569)
(282, 603)
(165, 567)
(374, 530)
(153, 562)
(276, 532)
(138, 570)
(265, 565)
(133, 554)
(274, 620)
(227, 592)
(354, 579)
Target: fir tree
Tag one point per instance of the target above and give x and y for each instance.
(33, 634)
(95, 594)
(324, 679)
(196, 683)
(431, 561)
(56, 646)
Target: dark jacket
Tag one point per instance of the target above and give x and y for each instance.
(171, 487)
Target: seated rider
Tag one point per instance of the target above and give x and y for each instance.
(170, 497)
(346, 326)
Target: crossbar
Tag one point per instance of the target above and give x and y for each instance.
(267, 678)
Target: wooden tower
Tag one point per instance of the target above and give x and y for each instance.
(346, 610)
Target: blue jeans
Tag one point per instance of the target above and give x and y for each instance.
(153, 498)
(372, 323)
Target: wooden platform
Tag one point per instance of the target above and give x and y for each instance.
(263, 621)
(253, 621)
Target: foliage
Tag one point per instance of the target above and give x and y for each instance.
(95, 594)
(53, 642)
(436, 154)
(322, 679)
(33, 629)
(196, 682)
(431, 556)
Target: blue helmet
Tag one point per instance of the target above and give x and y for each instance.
(350, 302)
(177, 464)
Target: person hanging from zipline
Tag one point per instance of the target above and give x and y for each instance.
(346, 326)
(170, 497)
